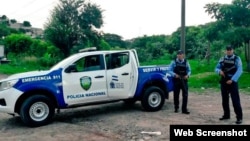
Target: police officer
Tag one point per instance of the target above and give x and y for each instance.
(229, 68)
(180, 70)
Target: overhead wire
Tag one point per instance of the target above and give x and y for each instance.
(39, 18)
(23, 6)
(31, 13)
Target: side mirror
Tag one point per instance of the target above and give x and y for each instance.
(71, 68)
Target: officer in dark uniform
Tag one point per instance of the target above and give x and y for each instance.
(229, 68)
(180, 70)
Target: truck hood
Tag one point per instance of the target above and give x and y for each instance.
(27, 74)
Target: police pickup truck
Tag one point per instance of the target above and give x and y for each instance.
(85, 78)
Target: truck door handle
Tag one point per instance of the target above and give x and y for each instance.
(99, 76)
(125, 73)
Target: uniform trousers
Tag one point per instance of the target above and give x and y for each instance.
(233, 92)
(180, 85)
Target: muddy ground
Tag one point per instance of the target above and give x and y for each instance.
(118, 122)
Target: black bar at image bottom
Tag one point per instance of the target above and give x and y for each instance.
(198, 132)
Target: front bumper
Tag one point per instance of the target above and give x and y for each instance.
(8, 100)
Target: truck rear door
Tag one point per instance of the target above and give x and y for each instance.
(122, 74)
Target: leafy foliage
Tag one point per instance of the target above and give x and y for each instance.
(74, 25)
(26, 24)
(17, 43)
(114, 40)
(73, 22)
(20, 47)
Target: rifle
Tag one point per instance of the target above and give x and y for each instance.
(183, 83)
(225, 78)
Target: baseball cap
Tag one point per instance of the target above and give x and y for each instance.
(180, 52)
(229, 47)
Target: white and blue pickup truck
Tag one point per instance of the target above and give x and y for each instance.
(85, 78)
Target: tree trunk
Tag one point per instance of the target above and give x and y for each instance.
(247, 55)
(248, 66)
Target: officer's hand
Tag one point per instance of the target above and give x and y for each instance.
(222, 73)
(186, 77)
(177, 76)
(229, 82)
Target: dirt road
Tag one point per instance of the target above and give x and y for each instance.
(118, 122)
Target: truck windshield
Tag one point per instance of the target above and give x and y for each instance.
(64, 62)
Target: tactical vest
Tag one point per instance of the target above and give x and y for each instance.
(181, 68)
(229, 66)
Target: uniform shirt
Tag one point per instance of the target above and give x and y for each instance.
(173, 64)
(238, 64)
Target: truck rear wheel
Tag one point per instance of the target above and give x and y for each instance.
(153, 99)
(37, 110)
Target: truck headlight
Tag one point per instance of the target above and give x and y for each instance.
(4, 85)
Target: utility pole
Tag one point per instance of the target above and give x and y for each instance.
(183, 25)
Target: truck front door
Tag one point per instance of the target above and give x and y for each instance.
(87, 83)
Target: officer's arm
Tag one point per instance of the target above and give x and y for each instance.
(171, 68)
(188, 69)
(218, 67)
(239, 71)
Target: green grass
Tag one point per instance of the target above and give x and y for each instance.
(211, 80)
(13, 68)
(204, 80)
(202, 76)
(199, 66)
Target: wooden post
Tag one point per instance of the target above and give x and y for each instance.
(247, 55)
(183, 26)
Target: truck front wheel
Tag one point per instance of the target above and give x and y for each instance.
(37, 110)
(153, 99)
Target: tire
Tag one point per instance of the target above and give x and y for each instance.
(153, 99)
(37, 110)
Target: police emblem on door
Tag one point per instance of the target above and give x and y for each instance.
(85, 82)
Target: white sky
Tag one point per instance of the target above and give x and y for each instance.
(127, 18)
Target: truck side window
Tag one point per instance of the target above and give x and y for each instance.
(117, 60)
(90, 63)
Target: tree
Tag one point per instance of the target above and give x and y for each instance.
(175, 41)
(4, 31)
(89, 20)
(114, 40)
(104, 45)
(232, 15)
(13, 21)
(26, 24)
(18, 44)
(74, 23)
(237, 18)
(3, 17)
(4, 20)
